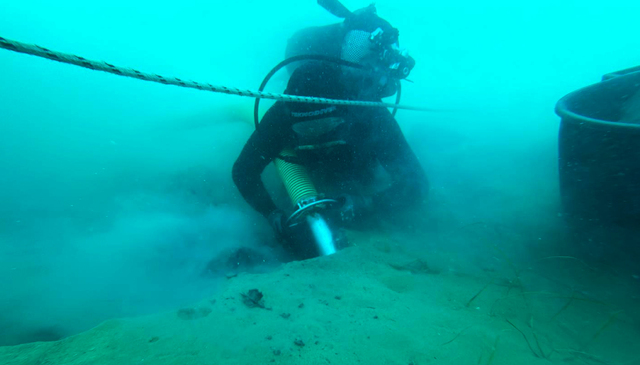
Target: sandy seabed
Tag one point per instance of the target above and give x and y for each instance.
(374, 303)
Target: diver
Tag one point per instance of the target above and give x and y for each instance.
(356, 154)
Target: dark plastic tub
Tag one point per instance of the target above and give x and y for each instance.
(599, 154)
(611, 75)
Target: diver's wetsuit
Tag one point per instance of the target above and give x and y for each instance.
(371, 136)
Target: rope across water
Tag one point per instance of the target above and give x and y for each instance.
(128, 72)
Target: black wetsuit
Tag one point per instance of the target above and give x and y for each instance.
(372, 138)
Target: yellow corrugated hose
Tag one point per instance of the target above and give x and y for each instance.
(295, 178)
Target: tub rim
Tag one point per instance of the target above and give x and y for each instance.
(562, 110)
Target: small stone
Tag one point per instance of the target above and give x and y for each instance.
(375, 317)
(277, 352)
(301, 305)
(338, 297)
(285, 315)
(269, 337)
(299, 343)
(154, 339)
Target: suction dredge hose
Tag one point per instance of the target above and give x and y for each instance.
(295, 178)
(303, 195)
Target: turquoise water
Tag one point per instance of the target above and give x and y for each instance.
(116, 193)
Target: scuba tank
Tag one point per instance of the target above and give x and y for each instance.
(325, 44)
(320, 40)
(328, 40)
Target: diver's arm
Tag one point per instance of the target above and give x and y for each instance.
(409, 181)
(262, 147)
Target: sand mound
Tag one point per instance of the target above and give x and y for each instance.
(371, 304)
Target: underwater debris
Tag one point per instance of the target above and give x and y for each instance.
(583, 356)
(478, 293)
(565, 306)
(604, 326)
(526, 339)
(456, 336)
(298, 342)
(417, 266)
(253, 298)
(231, 263)
(524, 294)
(191, 313)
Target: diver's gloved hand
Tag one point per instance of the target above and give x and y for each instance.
(278, 221)
(354, 206)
